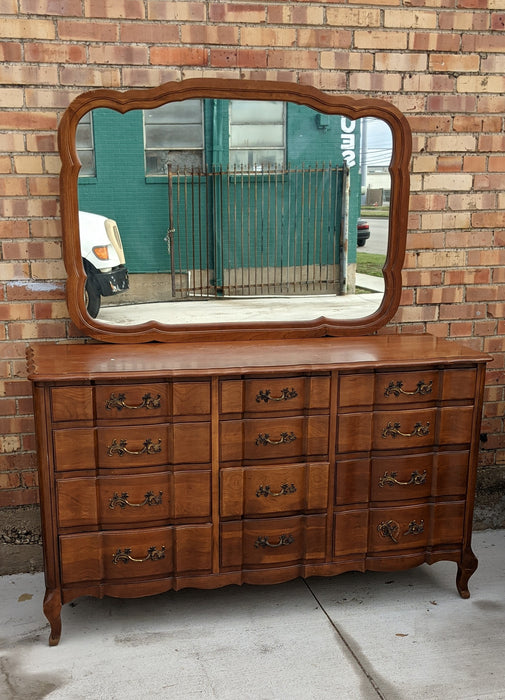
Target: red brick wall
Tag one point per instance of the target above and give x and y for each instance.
(442, 62)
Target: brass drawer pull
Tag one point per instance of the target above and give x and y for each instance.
(120, 448)
(396, 388)
(416, 479)
(266, 395)
(393, 430)
(124, 555)
(118, 402)
(391, 529)
(264, 439)
(284, 540)
(285, 490)
(415, 528)
(122, 500)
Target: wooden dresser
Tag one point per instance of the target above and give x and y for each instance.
(206, 464)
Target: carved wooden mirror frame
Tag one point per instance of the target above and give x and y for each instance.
(232, 89)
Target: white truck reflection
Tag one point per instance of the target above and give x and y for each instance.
(102, 258)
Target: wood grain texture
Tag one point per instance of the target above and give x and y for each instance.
(225, 498)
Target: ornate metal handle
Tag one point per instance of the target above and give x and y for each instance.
(416, 479)
(393, 430)
(285, 490)
(122, 500)
(118, 402)
(264, 439)
(120, 448)
(396, 388)
(284, 540)
(266, 395)
(124, 555)
(415, 528)
(391, 529)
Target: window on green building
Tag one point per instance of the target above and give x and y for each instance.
(85, 146)
(173, 136)
(257, 135)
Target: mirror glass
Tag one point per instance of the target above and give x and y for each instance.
(254, 206)
(224, 210)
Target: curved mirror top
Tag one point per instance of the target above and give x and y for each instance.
(227, 209)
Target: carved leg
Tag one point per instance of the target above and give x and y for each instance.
(466, 568)
(52, 610)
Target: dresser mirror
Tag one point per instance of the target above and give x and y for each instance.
(226, 209)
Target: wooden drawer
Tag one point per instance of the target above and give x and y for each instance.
(133, 446)
(74, 449)
(149, 445)
(404, 429)
(401, 477)
(273, 489)
(191, 399)
(191, 444)
(131, 401)
(113, 501)
(459, 384)
(407, 477)
(275, 439)
(135, 554)
(71, 403)
(400, 388)
(411, 527)
(352, 481)
(350, 533)
(275, 394)
(354, 432)
(450, 425)
(273, 541)
(355, 391)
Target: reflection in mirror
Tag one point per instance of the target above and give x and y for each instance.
(249, 210)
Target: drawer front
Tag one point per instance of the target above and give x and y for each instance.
(114, 501)
(191, 399)
(401, 388)
(136, 554)
(350, 533)
(103, 556)
(352, 481)
(131, 401)
(355, 391)
(399, 528)
(273, 541)
(419, 476)
(275, 394)
(275, 439)
(459, 384)
(133, 446)
(354, 432)
(71, 403)
(411, 527)
(404, 429)
(451, 475)
(273, 489)
(74, 449)
(191, 444)
(150, 445)
(402, 477)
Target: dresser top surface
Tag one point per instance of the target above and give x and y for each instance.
(49, 361)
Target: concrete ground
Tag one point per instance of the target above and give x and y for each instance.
(251, 309)
(401, 636)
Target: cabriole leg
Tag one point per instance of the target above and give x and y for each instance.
(52, 610)
(466, 568)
